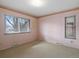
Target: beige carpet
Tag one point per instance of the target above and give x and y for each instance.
(40, 50)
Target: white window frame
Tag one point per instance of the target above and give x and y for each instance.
(19, 29)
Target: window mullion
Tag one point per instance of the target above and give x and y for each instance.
(18, 26)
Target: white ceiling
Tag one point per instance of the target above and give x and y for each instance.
(49, 6)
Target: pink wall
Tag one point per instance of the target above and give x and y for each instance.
(7, 41)
(52, 29)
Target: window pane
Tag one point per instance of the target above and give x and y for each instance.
(16, 25)
(70, 27)
(24, 25)
(11, 24)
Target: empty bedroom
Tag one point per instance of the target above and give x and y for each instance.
(39, 28)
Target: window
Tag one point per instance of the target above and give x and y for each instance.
(16, 24)
(70, 27)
